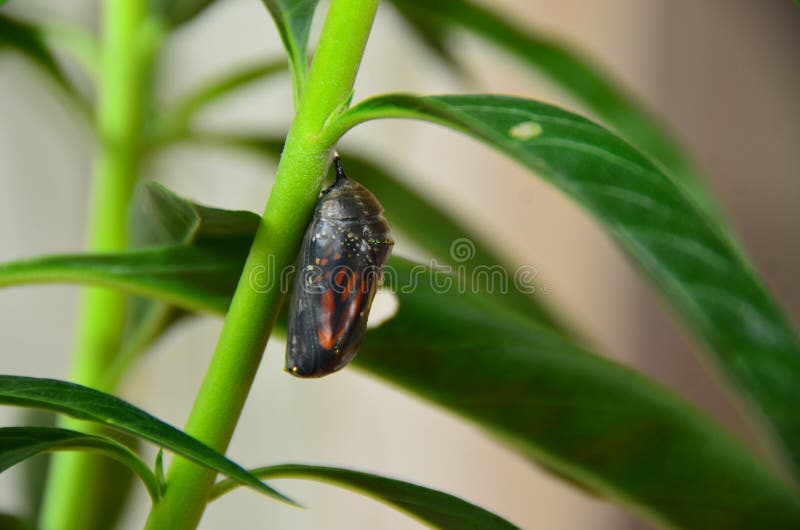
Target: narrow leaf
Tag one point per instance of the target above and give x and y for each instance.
(681, 249)
(160, 218)
(8, 521)
(194, 277)
(33, 473)
(92, 405)
(432, 31)
(77, 41)
(177, 12)
(28, 40)
(159, 470)
(293, 19)
(575, 75)
(194, 261)
(440, 510)
(585, 417)
(20, 443)
(181, 116)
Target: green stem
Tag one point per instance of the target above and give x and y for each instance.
(252, 312)
(75, 484)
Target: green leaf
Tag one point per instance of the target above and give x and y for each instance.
(293, 19)
(407, 211)
(433, 32)
(681, 249)
(182, 115)
(115, 479)
(88, 404)
(177, 12)
(17, 444)
(586, 418)
(159, 218)
(592, 420)
(198, 275)
(197, 271)
(33, 472)
(440, 510)
(80, 43)
(28, 40)
(575, 75)
(194, 277)
(115, 484)
(159, 470)
(8, 521)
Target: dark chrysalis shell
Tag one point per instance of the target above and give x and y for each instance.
(339, 269)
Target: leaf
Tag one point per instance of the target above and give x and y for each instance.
(177, 12)
(293, 19)
(33, 473)
(8, 521)
(433, 32)
(199, 275)
(681, 249)
(178, 119)
(599, 423)
(197, 272)
(432, 507)
(577, 76)
(115, 480)
(159, 470)
(193, 277)
(80, 43)
(408, 212)
(584, 417)
(28, 40)
(159, 218)
(114, 486)
(88, 404)
(20, 443)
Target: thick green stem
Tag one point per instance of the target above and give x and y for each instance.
(75, 484)
(254, 309)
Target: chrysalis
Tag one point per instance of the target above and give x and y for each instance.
(339, 269)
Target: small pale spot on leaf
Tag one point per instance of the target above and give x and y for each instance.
(525, 130)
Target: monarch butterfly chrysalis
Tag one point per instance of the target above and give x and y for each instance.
(339, 269)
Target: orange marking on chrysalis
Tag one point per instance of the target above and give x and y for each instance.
(351, 315)
(340, 276)
(323, 261)
(349, 288)
(325, 331)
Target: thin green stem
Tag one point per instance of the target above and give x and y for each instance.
(253, 311)
(75, 487)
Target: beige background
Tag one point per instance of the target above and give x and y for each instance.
(722, 73)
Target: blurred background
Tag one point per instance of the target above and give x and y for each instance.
(723, 74)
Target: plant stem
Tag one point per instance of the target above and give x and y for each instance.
(75, 485)
(253, 312)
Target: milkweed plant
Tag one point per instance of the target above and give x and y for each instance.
(498, 358)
